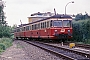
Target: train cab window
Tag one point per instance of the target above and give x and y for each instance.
(66, 23)
(57, 23)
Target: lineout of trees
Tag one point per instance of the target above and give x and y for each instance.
(80, 16)
(4, 28)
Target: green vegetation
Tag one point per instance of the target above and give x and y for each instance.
(5, 31)
(5, 43)
(80, 16)
(4, 28)
(5, 37)
(81, 31)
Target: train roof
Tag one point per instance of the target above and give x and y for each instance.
(54, 16)
(61, 16)
(57, 16)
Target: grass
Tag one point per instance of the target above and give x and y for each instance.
(5, 43)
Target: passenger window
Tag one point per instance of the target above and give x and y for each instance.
(32, 27)
(29, 27)
(41, 25)
(20, 29)
(47, 24)
(24, 28)
(35, 26)
(51, 23)
(38, 26)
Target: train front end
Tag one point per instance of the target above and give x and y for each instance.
(62, 29)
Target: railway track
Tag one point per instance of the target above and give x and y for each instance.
(66, 53)
(86, 46)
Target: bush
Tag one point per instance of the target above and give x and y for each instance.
(81, 30)
(5, 31)
(2, 46)
(5, 43)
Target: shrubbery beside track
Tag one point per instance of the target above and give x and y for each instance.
(5, 43)
(81, 31)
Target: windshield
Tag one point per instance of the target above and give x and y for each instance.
(66, 23)
(57, 23)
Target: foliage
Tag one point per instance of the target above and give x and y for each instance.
(81, 30)
(5, 43)
(5, 31)
(81, 17)
(2, 46)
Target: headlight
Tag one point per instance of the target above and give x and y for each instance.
(68, 30)
(55, 30)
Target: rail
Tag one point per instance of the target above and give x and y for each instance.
(61, 51)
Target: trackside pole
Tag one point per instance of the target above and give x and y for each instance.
(62, 43)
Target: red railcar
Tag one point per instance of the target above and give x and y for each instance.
(54, 27)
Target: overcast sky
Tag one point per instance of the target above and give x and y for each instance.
(17, 10)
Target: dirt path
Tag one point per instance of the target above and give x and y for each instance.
(23, 51)
(15, 52)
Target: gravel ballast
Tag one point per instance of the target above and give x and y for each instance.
(23, 51)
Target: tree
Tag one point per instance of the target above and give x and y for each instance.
(82, 17)
(4, 28)
(81, 30)
(2, 14)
